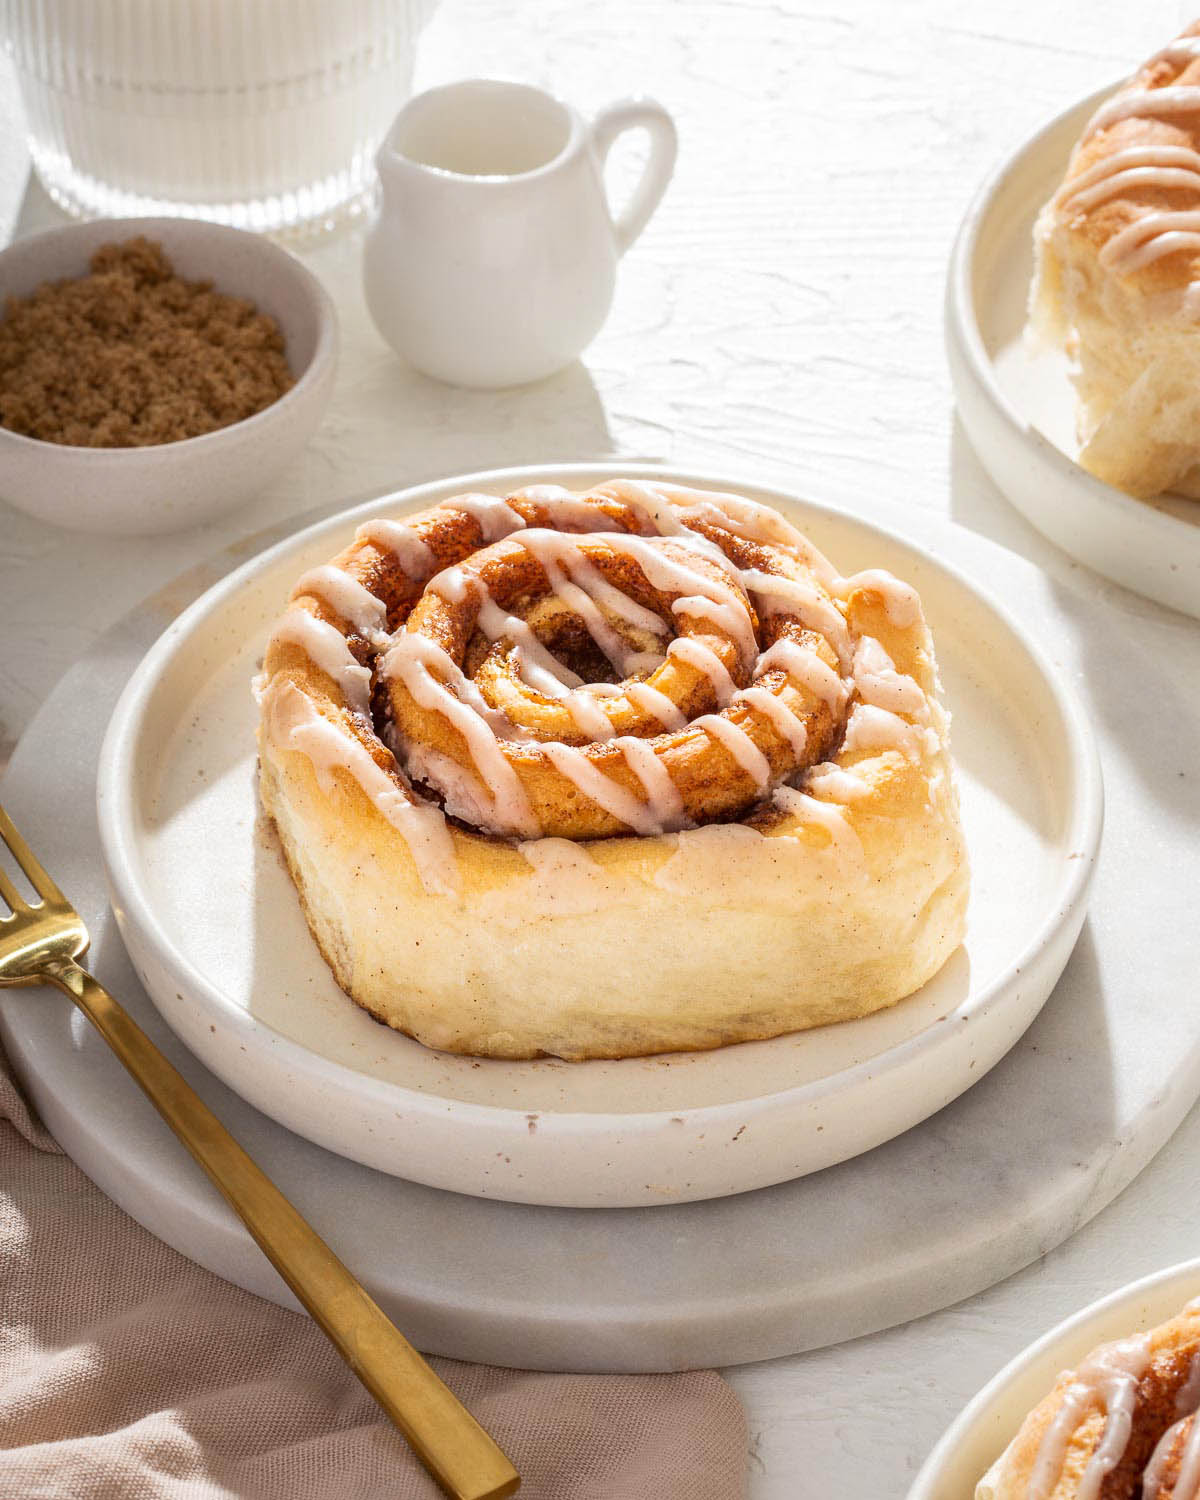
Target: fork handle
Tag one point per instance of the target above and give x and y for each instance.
(450, 1443)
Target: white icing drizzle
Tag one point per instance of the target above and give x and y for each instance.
(775, 594)
(704, 659)
(872, 728)
(832, 783)
(586, 714)
(463, 794)
(1157, 232)
(412, 659)
(1187, 1478)
(415, 557)
(1187, 1397)
(615, 799)
(651, 502)
(489, 789)
(293, 723)
(670, 507)
(729, 617)
(583, 571)
(1109, 1378)
(1156, 175)
(1121, 162)
(538, 668)
(588, 717)
(451, 584)
(329, 650)
(901, 602)
(556, 552)
(569, 512)
(566, 879)
(346, 597)
(739, 744)
(756, 523)
(784, 721)
(803, 664)
(496, 518)
(662, 795)
(879, 683)
(1150, 237)
(670, 575)
(826, 815)
(1149, 103)
(497, 624)
(553, 854)
(651, 701)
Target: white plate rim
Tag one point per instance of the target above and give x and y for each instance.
(973, 374)
(117, 815)
(1073, 1336)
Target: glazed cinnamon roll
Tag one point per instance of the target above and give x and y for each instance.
(1117, 277)
(608, 774)
(1121, 1426)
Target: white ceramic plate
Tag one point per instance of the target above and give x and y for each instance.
(216, 934)
(977, 1437)
(1018, 406)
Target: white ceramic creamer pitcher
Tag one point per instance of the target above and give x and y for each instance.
(493, 258)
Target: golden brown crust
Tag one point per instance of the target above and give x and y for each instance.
(793, 913)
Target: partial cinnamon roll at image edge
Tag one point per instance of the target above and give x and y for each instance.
(1119, 1426)
(1117, 277)
(611, 774)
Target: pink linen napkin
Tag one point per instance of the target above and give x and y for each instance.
(129, 1373)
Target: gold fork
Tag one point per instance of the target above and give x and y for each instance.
(39, 944)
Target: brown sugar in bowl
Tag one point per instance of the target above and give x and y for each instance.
(167, 486)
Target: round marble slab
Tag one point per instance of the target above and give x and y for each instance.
(1036, 1148)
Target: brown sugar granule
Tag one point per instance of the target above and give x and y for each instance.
(132, 354)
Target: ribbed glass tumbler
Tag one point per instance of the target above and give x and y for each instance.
(264, 114)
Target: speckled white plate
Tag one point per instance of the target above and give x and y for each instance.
(977, 1437)
(215, 931)
(1018, 405)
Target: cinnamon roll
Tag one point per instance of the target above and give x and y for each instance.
(609, 774)
(1117, 267)
(1122, 1425)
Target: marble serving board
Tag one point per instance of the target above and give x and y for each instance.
(1035, 1149)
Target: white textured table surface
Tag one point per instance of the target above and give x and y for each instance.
(781, 315)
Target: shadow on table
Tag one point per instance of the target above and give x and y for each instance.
(1136, 661)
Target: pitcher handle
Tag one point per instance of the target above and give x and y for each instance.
(639, 114)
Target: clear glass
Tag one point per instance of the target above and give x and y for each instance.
(263, 114)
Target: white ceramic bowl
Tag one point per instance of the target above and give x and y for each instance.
(1017, 405)
(977, 1437)
(141, 491)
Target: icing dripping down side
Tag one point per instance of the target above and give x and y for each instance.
(346, 597)
(293, 723)
(328, 650)
(1108, 1378)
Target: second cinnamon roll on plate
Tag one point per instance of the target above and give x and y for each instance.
(611, 773)
(1095, 215)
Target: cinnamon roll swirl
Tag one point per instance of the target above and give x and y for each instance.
(1117, 277)
(608, 774)
(1122, 1425)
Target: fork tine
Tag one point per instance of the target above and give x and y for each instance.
(10, 895)
(32, 867)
